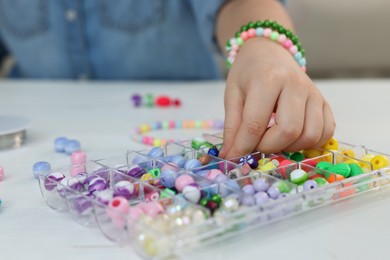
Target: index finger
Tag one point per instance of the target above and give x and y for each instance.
(258, 108)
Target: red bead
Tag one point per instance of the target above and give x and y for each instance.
(212, 205)
(163, 101)
(176, 102)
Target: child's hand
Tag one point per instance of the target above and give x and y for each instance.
(264, 79)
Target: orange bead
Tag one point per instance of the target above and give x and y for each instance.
(335, 177)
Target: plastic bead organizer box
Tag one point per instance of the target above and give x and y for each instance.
(181, 196)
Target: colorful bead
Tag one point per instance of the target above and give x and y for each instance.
(168, 178)
(60, 143)
(331, 144)
(1, 173)
(310, 184)
(136, 100)
(124, 189)
(41, 168)
(72, 146)
(261, 184)
(117, 210)
(192, 193)
(52, 180)
(298, 176)
(182, 181)
(379, 162)
(78, 157)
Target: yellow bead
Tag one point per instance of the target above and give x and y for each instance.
(267, 167)
(146, 176)
(144, 128)
(327, 156)
(312, 153)
(379, 162)
(366, 158)
(150, 247)
(263, 161)
(349, 153)
(349, 161)
(332, 144)
(156, 142)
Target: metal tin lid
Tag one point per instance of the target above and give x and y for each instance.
(13, 131)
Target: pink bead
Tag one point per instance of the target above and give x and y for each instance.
(244, 35)
(172, 124)
(282, 38)
(182, 181)
(1, 173)
(267, 32)
(233, 41)
(234, 47)
(304, 68)
(117, 210)
(78, 157)
(293, 49)
(251, 33)
(134, 213)
(77, 170)
(151, 209)
(152, 196)
(287, 44)
(212, 174)
(232, 53)
(145, 139)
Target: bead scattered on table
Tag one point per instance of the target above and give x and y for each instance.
(149, 100)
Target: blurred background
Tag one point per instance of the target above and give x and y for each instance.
(346, 38)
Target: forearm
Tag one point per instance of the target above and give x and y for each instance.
(236, 13)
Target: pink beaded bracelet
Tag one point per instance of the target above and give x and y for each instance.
(270, 30)
(138, 133)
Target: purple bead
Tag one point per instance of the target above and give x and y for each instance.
(249, 159)
(248, 189)
(88, 179)
(135, 171)
(61, 187)
(83, 205)
(247, 200)
(273, 192)
(124, 189)
(309, 185)
(104, 196)
(218, 124)
(136, 99)
(52, 180)
(103, 172)
(75, 184)
(261, 184)
(261, 197)
(97, 184)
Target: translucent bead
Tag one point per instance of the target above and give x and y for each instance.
(267, 32)
(293, 49)
(282, 38)
(239, 41)
(259, 31)
(274, 36)
(298, 55)
(302, 62)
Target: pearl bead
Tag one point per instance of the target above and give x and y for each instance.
(310, 184)
(248, 189)
(230, 204)
(261, 197)
(182, 181)
(168, 178)
(192, 193)
(261, 185)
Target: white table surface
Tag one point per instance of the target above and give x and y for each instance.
(100, 116)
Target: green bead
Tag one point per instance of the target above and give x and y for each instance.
(289, 33)
(216, 198)
(294, 39)
(322, 166)
(237, 34)
(283, 187)
(244, 28)
(320, 181)
(297, 156)
(281, 30)
(251, 25)
(198, 124)
(239, 41)
(259, 23)
(198, 142)
(228, 44)
(267, 23)
(355, 169)
(286, 154)
(165, 124)
(275, 25)
(149, 100)
(340, 168)
(303, 52)
(274, 36)
(167, 193)
(155, 172)
(228, 64)
(203, 202)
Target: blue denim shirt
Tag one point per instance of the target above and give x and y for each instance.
(111, 39)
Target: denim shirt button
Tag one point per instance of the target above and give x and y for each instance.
(71, 15)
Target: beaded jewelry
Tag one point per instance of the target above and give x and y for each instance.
(138, 133)
(267, 29)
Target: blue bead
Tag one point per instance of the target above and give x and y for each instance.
(156, 152)
(202, 173)
(72, 146)
(302, 62)
(179, 160)
(60, 144)
(259, 31)
(192, 163)
(168, 178)
(298, 56)
(41, 167)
